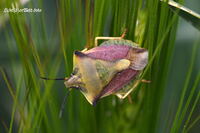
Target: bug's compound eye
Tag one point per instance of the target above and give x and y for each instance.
(75, 71)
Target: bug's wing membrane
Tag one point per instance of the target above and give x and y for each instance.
(138, 58)
(120, 79)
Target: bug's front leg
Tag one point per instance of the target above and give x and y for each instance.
(85, 49)
(109, 38)
(105, 38)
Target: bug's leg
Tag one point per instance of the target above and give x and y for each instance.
(130, 99)
(85, 49)
(105, 38)
(145, 81)
(109, 38)
(134, 86)
(128, 92)
(124, 34)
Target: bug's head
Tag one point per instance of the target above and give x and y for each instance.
(84, 76)
(75, 81)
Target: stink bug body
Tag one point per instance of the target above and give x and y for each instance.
(111, 68)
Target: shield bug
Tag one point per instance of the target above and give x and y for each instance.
(113, 67)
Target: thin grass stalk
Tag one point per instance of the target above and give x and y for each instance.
(194, 88)
(177, 120)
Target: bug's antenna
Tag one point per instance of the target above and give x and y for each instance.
(63, 104)
(53, 79)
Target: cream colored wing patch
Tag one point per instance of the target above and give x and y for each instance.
(138, 58)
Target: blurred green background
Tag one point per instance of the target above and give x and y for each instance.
(34, 44)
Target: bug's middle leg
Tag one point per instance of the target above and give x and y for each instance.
(134, 86)
(145, 81)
